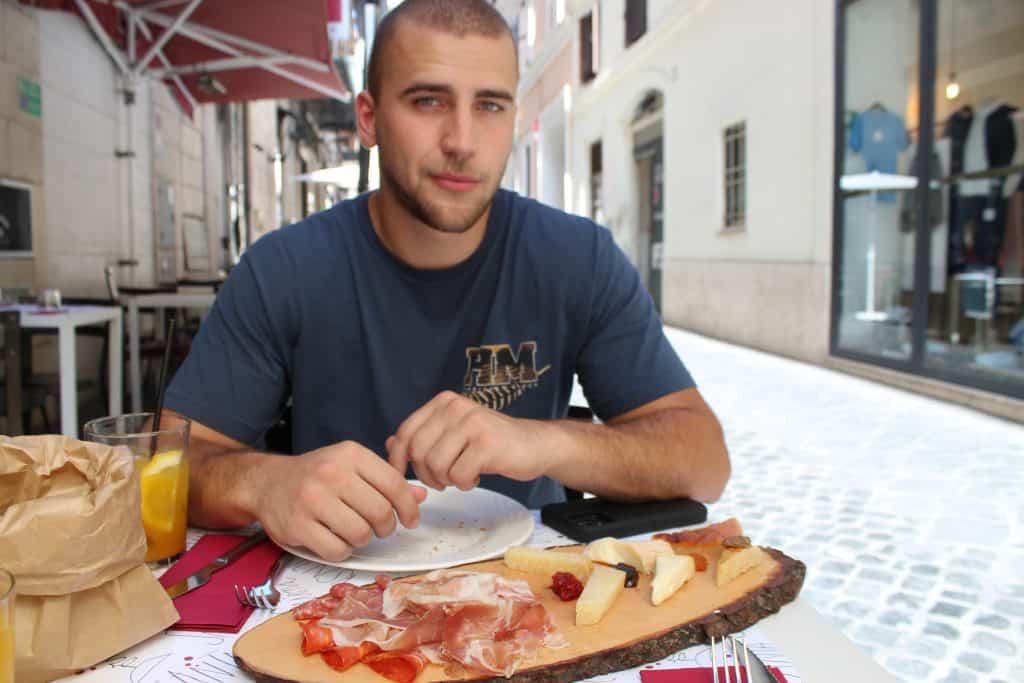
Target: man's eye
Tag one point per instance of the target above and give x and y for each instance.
(492, 107)
(427, 102)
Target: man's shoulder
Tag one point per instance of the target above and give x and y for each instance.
(551, 226)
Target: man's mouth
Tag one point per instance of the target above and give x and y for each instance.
(455, 182)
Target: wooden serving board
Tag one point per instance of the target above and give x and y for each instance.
(632, 633)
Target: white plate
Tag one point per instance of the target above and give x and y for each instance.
(456, 527)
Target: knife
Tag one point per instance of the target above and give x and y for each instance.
(200, 577)
(759, 671)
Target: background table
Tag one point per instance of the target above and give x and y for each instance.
(66, 320)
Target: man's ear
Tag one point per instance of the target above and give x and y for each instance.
(366, 119)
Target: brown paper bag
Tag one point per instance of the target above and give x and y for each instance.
(71, 533)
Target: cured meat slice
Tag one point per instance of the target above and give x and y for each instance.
(401, 667)
(316, 608)
(713, 534)
(454, 587)
(316, 638)
(484, 621)
(342, 658)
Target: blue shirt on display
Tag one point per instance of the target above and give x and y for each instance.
(323, 313)
(879, 135)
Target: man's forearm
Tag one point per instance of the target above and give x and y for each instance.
(672, 453)
(224, 484)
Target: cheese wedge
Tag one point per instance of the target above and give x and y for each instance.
(670, 573)
(613, 551)
(736, 561)
(603, 587)
(649, 551)
(548, 562)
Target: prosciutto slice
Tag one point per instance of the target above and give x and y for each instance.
(483, 621)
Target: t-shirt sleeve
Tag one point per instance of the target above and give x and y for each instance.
(236, 376)
(626, 360)
(856, 135)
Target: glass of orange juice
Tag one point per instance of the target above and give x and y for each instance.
(6, 627)
(163, 475)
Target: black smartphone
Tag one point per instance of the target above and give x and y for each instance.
(592, 518)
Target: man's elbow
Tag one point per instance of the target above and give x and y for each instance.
(713, 470)
(714, 480)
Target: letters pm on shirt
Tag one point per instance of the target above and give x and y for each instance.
(496, 376)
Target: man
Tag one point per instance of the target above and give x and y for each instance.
(434, 326)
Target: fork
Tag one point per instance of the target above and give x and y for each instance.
(265, 595)
(758, 673)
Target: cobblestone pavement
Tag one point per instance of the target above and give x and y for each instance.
(909, 512)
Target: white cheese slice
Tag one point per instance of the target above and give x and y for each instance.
(649, 551)
(613, 551)
(670, 573)
(547, 561)
(603, 587)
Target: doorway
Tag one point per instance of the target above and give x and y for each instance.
(648, 155)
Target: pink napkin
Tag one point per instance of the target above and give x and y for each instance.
(698, 675)
(213, 606)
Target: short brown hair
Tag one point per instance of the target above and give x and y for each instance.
(456, 17)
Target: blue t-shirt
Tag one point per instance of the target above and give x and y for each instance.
(320, 311)
(879, 135)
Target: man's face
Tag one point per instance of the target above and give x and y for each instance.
(443, 120)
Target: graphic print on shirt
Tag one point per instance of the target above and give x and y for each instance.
(496, 375)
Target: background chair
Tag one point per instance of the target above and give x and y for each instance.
(150, 347)
(17, 401)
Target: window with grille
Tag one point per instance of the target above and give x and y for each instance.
(636, 20)
(588, 53)
(596, 206)
(735, 143)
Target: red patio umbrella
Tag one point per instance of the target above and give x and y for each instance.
(219, 50)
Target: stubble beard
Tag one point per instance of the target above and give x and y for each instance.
(433, 214)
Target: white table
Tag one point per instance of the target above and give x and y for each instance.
(816, 649)
(157, 301)
(66, 321)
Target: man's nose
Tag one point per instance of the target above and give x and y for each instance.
(459, 138)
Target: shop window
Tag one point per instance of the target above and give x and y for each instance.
(636, 20)
(974, 215)
(735, 150)
(874, 289)
(929, 267)
(15, 218)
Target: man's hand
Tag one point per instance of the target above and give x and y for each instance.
(334, 499)
(452, 440)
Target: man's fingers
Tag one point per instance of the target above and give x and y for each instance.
(419, 493)
(411, 440)
(446, 451)
(345, 522)
(398, 459)
(374, 507)
(394, 489)
(465, 471)
(326, 544)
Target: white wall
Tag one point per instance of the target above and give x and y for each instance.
(84, 212)
(771, 84)
(719, 63)
(100, 208)
(262, 122)
(21, 145)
